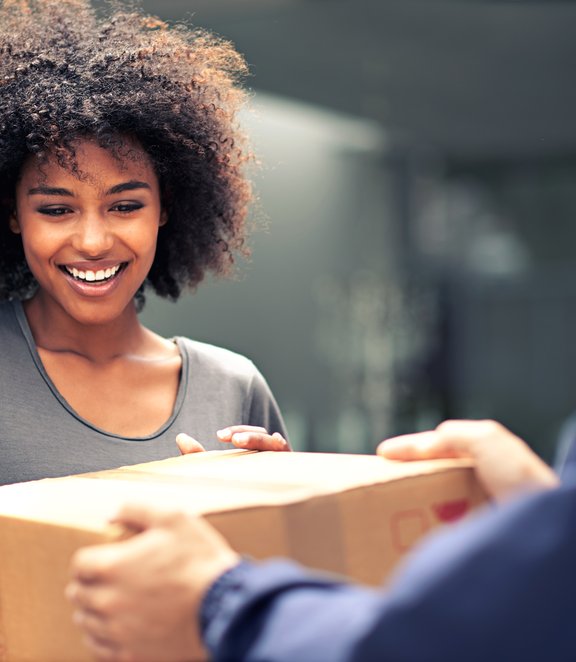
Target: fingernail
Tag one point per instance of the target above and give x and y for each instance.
(224, 433)
(241, 439)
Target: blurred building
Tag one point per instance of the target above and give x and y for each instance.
(418, 179)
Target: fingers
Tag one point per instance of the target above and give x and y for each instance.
(137, 517)
(81, 595)
(504, 464)
(93, 609)
(92, 564)
(104, 650)
(420, 446)
(137, 599)
(457, 438)
(253, 438)
(187, 444)
(260, 442)
(92, 622)
(100, 563)
(226, 434)
(97, 637)
(250, 437)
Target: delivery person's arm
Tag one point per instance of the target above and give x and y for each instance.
(499, 587)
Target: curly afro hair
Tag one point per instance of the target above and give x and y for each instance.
(68, 73)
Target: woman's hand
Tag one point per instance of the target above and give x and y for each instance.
(187, 444)
(250, 437)
(505, 465)
(138, 599)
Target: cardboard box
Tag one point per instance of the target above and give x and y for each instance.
(354, 515)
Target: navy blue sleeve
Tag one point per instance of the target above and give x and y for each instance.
(566, 447)
(500, 586)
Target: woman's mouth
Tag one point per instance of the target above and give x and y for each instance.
(94, 283)
(93, 276)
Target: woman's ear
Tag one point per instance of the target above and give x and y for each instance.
(13, 223)
(163, 217)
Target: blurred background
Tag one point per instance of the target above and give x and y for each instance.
(419, 188)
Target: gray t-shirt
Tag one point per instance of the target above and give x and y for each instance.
(42, 436)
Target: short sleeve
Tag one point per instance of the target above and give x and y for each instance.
(262, 408)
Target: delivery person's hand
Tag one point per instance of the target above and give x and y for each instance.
(138, 599)
(504, 464)
(250, 437)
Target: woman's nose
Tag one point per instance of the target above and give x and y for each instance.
(93, 236)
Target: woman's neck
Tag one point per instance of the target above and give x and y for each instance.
(56, 331)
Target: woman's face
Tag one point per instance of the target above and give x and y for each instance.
(89, 241)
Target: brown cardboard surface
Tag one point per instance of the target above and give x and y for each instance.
(355, 515)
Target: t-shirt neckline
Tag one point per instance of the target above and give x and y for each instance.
(182, 387)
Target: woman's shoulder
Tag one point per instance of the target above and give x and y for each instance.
(215, 358)
(14, 344)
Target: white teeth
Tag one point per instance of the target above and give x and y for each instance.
(94, 276)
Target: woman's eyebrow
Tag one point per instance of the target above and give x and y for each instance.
(127, 186)
(49, 190)
(119, 188)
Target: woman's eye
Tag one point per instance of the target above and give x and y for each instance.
(54, 211)
(126, 207)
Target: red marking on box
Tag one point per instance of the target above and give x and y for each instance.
(450, 511)
(407, 528)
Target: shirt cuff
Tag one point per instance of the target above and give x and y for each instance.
(220, 594)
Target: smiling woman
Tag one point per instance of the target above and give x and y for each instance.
(75, 230)
(121, 168)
